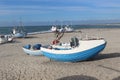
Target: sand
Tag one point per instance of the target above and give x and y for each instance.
(16, 65)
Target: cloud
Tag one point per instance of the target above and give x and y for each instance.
(6, 9)
(58, 8)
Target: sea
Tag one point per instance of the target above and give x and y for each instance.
(44, 29)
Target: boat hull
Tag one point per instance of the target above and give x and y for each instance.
(32, 52)
(76, 56)
(2, 40)
(19, 35)
(6, 38)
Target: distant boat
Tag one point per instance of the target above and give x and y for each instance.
(66, 29)
(17, 33)
(5, 38)
(79, 51)
(54, 28)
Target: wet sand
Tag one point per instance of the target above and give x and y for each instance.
(16, 65)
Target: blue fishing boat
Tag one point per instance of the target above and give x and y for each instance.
(79, 51)
(32, 50)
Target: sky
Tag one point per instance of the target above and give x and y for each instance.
(12, 11)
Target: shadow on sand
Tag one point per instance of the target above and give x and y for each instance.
(118, 78)
(15, 41)
(78, 77)
(107, 67)
(108, 56)
(28, 37)
(105, 56)
(98, 57)
(82, 77)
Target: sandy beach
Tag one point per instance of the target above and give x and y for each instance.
(16, 65)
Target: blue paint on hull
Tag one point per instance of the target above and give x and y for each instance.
(75, 57)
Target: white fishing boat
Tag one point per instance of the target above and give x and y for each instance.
(5, 38)
(9, 38)
(2, 39)
(18, 33)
